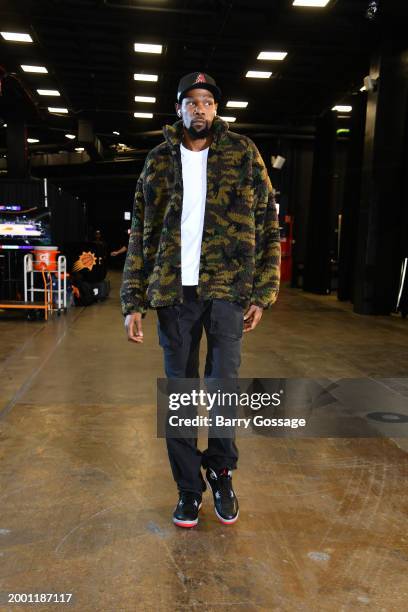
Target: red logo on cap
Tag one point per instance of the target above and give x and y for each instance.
(200, 78)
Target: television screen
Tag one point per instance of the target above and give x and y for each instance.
(27, 226)
(20, 229)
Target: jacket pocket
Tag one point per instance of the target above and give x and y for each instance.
(227, 319)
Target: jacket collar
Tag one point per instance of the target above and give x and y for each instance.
(173, 133)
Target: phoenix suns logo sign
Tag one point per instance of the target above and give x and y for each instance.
(87, 260)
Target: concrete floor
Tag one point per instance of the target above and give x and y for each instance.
(86, 492)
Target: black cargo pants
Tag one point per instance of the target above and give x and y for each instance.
(180, 329)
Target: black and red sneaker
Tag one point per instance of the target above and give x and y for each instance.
(225, 501)
(186, 512)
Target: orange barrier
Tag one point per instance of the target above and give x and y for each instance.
(11, 304)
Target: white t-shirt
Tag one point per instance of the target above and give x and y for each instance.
(194, 164)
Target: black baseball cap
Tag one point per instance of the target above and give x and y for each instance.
(197, 80)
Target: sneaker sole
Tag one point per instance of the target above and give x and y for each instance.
(187, 524)
(226, 521)
(219, 517)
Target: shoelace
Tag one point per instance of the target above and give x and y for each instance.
(188, 498)
(224, 483)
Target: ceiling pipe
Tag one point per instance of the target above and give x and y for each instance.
(265, 127)
(156, 9)
(278, 127)
(85, 178)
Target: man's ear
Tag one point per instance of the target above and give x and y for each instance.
(216, 108)
(178, 109)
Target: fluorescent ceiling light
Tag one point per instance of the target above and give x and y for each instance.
(31, 140)
(146, 77)
(70, 136)
(4, 124)
(143, 48)
(258, 74)
(34, 68)
(79, 149)
(143, 115)
(340, 108)
(272, 55)
(229, 119)
(116, 133)
(311, 2)
(144, 99)
(16, 37)
(236, 104)
(55, 109)
(48, 92)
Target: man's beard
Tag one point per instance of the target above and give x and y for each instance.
(199, 134)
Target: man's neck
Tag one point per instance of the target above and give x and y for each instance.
(198, 144)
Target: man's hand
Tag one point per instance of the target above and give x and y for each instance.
(133, 324)
(252, 317)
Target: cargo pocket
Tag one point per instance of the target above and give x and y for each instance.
(168, 326)
(227, 319)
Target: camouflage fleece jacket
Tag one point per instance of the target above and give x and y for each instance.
(240, 250)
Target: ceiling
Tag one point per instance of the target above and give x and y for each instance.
(88, 48)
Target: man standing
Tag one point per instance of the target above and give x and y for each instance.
(204, 251)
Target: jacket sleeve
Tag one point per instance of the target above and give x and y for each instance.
(133, 289)
(267, 237)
